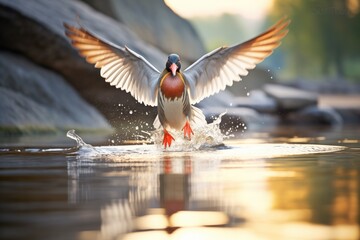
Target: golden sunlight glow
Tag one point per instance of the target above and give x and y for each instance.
(252, 190)
(154, 221)
(214, 233)
(146, 235)
(198, 218)
(353, 6)
(257, 9)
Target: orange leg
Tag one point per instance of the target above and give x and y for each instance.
(187, 130)
(167, 139)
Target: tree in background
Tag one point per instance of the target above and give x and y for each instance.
(324, 37)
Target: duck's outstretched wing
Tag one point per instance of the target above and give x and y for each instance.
(121, 67)
(221, 67)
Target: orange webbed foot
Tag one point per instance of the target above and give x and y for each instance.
(167, 139)
(187, 130)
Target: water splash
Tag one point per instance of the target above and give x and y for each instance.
(87, 152)
(81, 145)
(152, 153)
(207, 136)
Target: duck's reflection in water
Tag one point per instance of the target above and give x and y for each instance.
(146, 199)
(182, 196)
(174, 189)
(175, 209)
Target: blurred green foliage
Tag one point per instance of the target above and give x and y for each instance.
(323, 41)
(324, 37)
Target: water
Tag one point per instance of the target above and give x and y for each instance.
(264, 185)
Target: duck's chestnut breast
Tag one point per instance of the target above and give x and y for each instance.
(172, 86)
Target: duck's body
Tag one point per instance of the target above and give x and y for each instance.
(174, 108)
(174, 91)
(173, 102)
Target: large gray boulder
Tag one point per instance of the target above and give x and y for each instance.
(290, 99)
(315, 115)
(154, 22)
(256, 79)
(255, 99)
(46, 18)
(33, 99)
(35, 29)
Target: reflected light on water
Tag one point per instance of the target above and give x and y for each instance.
(148, 235)
(349, 141)
(196, 233)
(116, 219)
(181, 219)
(246, 188)
(151, 221)
(345, 208)
(203, 233)
(237, 193)
(308, 231)
(198, 218)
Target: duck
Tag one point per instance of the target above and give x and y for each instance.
(175, 91)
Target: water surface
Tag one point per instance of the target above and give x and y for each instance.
(250, 188)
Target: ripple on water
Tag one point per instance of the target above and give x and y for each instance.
(208, 151)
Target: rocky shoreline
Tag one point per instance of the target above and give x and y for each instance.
(278, 104)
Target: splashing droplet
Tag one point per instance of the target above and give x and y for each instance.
(80, 143)
(205, 136)
(71, 134)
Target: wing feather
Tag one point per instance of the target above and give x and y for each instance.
(221, 67)
(121, 67)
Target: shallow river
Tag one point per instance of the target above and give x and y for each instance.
(256, 186)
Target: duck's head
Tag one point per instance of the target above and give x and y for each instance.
(173, 64)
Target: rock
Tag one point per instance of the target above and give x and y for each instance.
(326, 85)
(252, 110)
(104, 6)
(256, 79)
(290, 99)
(50, 16)
(33, 99)
(221, 99)
(349, 116)
(35, 30)
(315, 115)
(157, 24)
(256, 100)
(236, 116)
